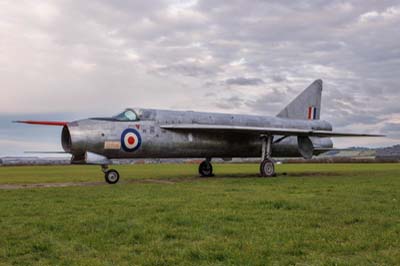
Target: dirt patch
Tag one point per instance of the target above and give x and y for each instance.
(91, 184)
(312, 174)
(164, 181)
(48, 185)
(156, 181)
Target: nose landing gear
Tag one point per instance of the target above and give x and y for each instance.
(111, 176)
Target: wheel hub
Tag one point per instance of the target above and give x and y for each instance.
(268, 168)
(112, 176)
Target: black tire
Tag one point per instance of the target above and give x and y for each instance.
(267, 168)
(206, 169)
(111, 176)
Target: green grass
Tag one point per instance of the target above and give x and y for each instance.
(56, 174)
(343, 214)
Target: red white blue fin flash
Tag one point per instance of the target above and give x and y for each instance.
(312, 113)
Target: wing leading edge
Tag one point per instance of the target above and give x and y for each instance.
(262, 130)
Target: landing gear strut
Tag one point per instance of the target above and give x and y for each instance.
(205, 168)
(267, 166)
(111, 176)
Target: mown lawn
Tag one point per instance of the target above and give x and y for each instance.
(315, 215)
(76, 173)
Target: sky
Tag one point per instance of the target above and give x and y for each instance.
(65, 60)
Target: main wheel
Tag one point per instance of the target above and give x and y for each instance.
(206, 169)
(267, 168)
(111, 176)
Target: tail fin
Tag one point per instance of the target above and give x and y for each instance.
(307, 106)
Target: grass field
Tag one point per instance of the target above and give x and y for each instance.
(335, 214)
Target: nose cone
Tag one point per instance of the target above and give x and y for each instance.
(74, 137)
(66, 141)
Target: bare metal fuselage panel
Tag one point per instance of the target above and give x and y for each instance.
(106, 136)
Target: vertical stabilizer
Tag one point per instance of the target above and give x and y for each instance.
(307, 106)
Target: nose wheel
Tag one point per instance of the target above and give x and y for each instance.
(206, 169)
(111, 176)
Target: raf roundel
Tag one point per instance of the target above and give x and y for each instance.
(130, 140)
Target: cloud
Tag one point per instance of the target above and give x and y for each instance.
(392, 12)
(241, 81)
(392, 129)
(236, 56)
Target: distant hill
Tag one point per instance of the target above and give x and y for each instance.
(24, 160)
(393, 151)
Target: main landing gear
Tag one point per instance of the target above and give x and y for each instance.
(111, 176)
(267, 166)
(205, 168)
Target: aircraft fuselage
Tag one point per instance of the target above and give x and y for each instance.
(144, 137)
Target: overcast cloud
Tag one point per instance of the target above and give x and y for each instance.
(82, 58)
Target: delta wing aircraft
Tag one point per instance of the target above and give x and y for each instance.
(296, 131)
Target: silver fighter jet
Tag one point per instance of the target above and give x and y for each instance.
(296, 131)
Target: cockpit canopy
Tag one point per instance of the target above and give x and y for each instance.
(130, 115)
(127, 115)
